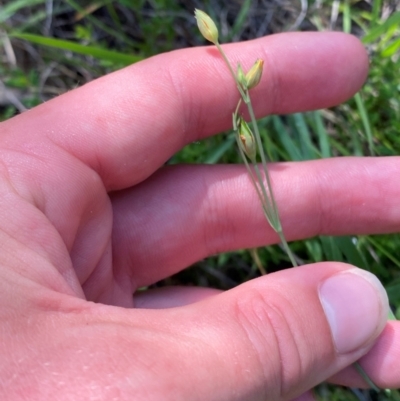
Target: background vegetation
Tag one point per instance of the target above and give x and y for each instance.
(50, 46)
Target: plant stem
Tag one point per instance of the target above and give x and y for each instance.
(287, 249)
(366, 378)
(231, 71)
(274, 207)
(267, 198)
(277, 223)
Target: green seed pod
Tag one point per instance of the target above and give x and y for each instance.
(253, 77)
(206, 26)
(246, 139)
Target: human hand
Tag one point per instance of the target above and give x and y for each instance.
(88, 215)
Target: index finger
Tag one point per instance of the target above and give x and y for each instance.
(126, 124)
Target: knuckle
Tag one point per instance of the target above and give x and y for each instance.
(272, 331)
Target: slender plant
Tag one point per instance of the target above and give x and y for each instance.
(249, 140)
(250, 145)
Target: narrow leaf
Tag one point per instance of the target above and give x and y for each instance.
(96, 52)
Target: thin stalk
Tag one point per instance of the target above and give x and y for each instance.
(254, 181)
(269, 204)
(231, 71)
(278, 227)
(365, 122)
(263, 161)
(287, 248)
(268, 207)
(366, 378)
(257, 261)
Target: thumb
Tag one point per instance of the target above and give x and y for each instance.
(277, 336)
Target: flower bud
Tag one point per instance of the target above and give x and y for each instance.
(241, 77)
(246, 139)
(206, 26)
(253, 77)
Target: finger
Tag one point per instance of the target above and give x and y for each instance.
(293, 343)
(128, 123)
(381, 363)
(171, 297)
(204, 210)
(266, 339)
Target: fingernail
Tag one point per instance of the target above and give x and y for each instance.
(356, 306)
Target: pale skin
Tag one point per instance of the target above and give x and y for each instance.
(88, 215)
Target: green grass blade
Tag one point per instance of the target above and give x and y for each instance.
(308, 150)
(272, 150)
(96, 52)
(346, 17)
(240, 19)
(10, 9)
(391, 49)
(384, 251)
(343, 249)
(376, 9)
(35, 19)
(95, 21)
(365, 122)
(339, 147)
(314, 249)
(376, 32)
(217, 153)
(358, 150)
(350, 251)
(323, 137)
(330, 249)
(393, 291)
(114, 15)
(286, 140)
